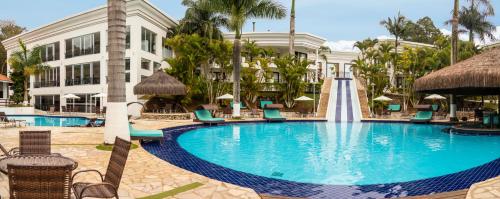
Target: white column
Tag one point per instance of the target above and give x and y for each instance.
(453, 107)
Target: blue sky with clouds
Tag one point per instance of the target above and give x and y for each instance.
(338, 21)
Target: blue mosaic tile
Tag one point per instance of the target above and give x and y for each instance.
(173, 153)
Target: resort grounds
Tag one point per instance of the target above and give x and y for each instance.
(146, 175)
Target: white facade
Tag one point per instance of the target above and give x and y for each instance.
(140, 14)
(337, 62)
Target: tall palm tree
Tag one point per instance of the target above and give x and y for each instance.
(291, 42)
(476, 22)
(116, 117)
(201, 20)
(454, 33)
(28, 62)
(238, 12)
(397, 27)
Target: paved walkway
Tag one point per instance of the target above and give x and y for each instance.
(147, 175)
(144, 173)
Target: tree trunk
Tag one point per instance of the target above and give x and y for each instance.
(25, 92)
(291, 42)
(454, 34)
(236, 74)
(116, 117)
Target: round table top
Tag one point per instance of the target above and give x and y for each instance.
(36, 160)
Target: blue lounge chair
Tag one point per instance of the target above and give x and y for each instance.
(242, 105)
(136, 134)
(422, 117)
(206, 117)
(394, 108)
(264, 103)
(273, 115)
(435, 107)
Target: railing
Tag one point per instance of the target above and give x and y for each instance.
(84, 81)
(46, 84)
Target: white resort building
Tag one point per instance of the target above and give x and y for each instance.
(75, 49)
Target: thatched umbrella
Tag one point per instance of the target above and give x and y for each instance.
(478, 75)
(160, 84)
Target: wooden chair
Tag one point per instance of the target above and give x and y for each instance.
(40, 182)
(108, 187)
(34, 143)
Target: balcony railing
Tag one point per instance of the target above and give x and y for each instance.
(84, 81)
(46, 84)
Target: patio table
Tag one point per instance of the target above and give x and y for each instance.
(36, 160)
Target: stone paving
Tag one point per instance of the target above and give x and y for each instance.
(147, 175)
(144, 173)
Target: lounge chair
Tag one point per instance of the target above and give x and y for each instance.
(435, 107)
(108, 187)
(394, 108)
(273, 114)
(152, 135)
(206, 117)
(5, 120)
(422, 117)
(242, 105)
(263, 103)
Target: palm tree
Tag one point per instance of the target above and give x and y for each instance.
(291, 42)
(201, 20)
(454, 33)
(238, 12)
(116, 118)
(397, 27)
(27, 62)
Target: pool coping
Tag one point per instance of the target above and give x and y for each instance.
(173, 153)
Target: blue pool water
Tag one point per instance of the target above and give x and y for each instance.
(340, 153)
(52, 120)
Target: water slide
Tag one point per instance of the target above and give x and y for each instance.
(343, 104)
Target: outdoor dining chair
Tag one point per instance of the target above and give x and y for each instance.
(34, 143)
(108, 188)
(40, 182)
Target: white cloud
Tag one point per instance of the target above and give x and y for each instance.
(382, 37)
(341, 45)
(465, 36)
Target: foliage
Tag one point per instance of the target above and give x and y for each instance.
(423, 31)
(292, 72)
(18, 86)
(26, 62)
(474, 19)
(7, 29)
(191, 65)
(202, 20)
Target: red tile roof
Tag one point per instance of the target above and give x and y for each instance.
(4, 78)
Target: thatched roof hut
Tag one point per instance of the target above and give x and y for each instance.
(478, 75)
(160, 84)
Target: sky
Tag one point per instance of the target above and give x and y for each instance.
(340, 22)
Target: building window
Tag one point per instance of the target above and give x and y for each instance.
(127, 38)
(399, 82)
(83, 45)
(301, 56)
(276, 77)
(148, 39)
(156, 66)
(145, 64)
(83, 74)
(50, 52)
(167, 51)
(44, 102)
(47, 78)
(127, 70)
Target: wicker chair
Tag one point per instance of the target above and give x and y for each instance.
(8, 153)
(108, 187)
(40, 182)
(34, 143)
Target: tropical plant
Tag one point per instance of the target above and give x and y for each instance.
(323, 52)
(26, 62)
(476, 23)
(7, 29)
(250, 50)
(200, 19)
(219, 53)
(396, 27)
(116, 119)
(292, 72)
(238, 12)
(291, 41)
(423, 31)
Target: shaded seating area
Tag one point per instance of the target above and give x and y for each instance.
(152, 135)
(423, 115)
(205, 116)
(242, 105)
(394, 108)
(272, 113)
(263, 103)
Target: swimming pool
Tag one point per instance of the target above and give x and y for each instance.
(42, 120)
(340, 153)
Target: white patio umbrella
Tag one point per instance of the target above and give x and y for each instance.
(382, 99)
(304, 98)
(225, 97)
(100, 96)
(71, 96)
(435, 97)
